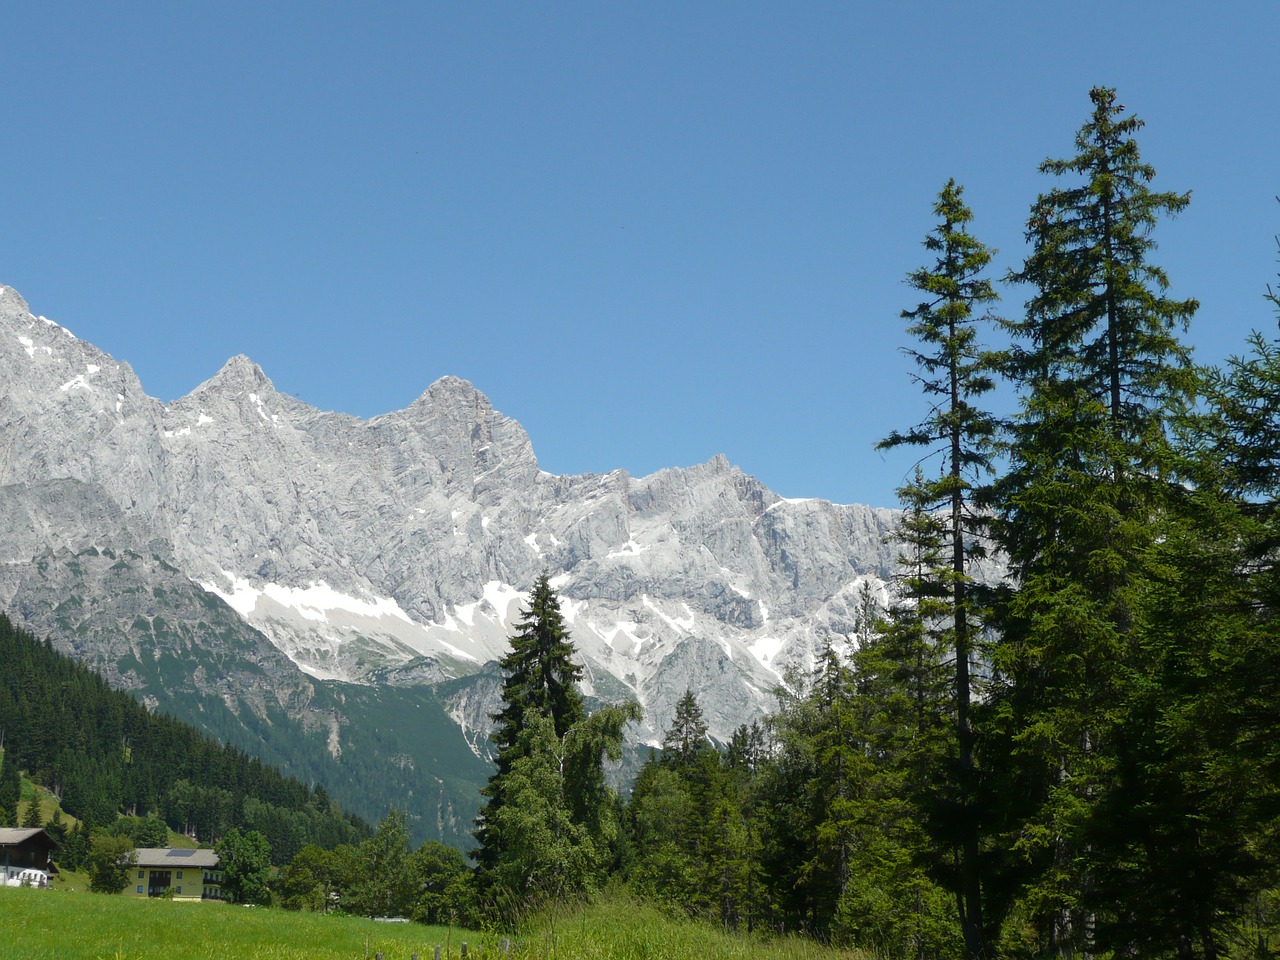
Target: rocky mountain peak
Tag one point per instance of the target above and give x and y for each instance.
(452, 394)
(239, 373)
(12, 304)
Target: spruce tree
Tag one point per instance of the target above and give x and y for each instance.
(33, 817)
(540, 673)
(687, 735)
(695, 847)
(540, 679)
(1091, 481)
(953, 373)
(550, 823)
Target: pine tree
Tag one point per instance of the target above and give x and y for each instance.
(550, 823)
(954, 373)
(33, 817)
(75, 849)
(540, 680)
(540, 673)
(1092, 478)
(687, 735)
(1216, 705)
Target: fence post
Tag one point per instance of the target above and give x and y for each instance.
(464, 950)
(437, 951)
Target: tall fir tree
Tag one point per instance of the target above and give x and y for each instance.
(550, 822)
(687, 735)
(540, 672)
(1091, 481)
(953, 374)
(540, 677)
(32, 817)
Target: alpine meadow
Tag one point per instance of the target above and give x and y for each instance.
(1038, 716)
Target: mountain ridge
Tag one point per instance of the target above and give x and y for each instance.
(402, 546)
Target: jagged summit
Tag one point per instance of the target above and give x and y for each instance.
(360, 547)
(238, 373)
(12, 304)
(450, 391)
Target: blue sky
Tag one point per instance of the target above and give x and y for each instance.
(649, 232)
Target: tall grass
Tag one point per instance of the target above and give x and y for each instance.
(68, 925)
(619, 927)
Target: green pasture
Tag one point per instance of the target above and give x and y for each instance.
(69, 925)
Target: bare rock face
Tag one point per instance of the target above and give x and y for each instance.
(398, 550)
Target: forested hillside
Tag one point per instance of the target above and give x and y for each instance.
(104, 754)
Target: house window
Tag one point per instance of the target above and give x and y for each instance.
(179, 874)
(179, 889)
(140, 875)
(139, 888)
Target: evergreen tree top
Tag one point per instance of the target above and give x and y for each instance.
(541, 673)
(1098, 318)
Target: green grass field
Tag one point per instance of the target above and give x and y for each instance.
(68, 925)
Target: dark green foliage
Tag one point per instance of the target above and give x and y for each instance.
(1098, 320)
(110, 861)
(10, 782)
(539, 681)
(32, 817)
(695, 843)
(382, 878)
(686, 738)
(938, 583)
(310, 880)
(540, 675)
(245, 861)
(1088, 498)
(74, 852)
(57, 826)
(143, 832)
(537, 848)
(550, 826)
(384, 887)
(440, 878)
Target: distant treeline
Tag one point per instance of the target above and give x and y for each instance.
(103, 754)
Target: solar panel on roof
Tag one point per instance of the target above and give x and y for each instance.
(182, 853)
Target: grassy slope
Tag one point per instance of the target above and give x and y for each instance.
(60, 925)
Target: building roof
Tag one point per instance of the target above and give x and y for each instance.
(12, 836)
(172, 858)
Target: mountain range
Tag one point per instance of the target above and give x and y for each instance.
(331, 592)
